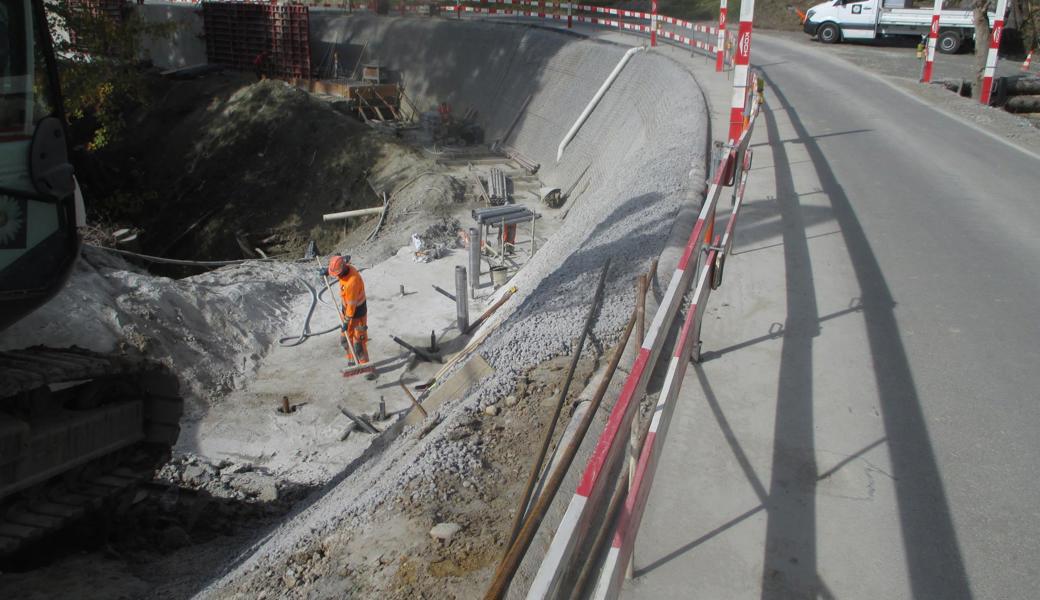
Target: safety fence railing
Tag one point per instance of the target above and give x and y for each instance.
(609, 501)
(733, 169)
(697, 36)
(705, 38)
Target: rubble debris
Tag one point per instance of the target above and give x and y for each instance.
(437, 240)
(445, 531)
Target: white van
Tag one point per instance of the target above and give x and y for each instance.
(838, 20)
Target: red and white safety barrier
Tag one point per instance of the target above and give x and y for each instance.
(589, 14)
(589, 498)
(612, 575)
(933, 35)
(720, 44)
(991, 58)
(1029, 59)
(741, 62)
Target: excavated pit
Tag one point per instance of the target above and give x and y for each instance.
(637, 160)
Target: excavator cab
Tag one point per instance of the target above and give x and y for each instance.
(40, 206)
(78, 429)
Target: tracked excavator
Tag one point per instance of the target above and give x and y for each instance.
(78, 429)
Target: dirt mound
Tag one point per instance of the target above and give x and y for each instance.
(220, 166)
(211, 329)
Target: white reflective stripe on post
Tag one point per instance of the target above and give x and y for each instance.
(994, 47)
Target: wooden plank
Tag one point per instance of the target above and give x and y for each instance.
(475, 369)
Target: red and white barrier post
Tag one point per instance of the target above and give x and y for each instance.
(720, 52)
(991, 58)
(1029, 59)
(741, 62)
(933, 36)
(653, 23)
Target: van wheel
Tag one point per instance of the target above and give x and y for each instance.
(949, 42)
(828, 33)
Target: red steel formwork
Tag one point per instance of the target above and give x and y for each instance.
(244, 35)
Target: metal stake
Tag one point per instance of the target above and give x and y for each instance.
(474, 260)
(461, 300)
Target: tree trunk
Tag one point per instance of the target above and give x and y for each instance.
(982, 33)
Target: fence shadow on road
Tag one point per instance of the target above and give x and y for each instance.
(934, 562)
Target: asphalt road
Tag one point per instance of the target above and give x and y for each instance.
(865, 422)
(897, 57)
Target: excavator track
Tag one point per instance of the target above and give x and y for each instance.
(78, 431)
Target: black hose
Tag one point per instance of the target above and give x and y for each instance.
(305, 332)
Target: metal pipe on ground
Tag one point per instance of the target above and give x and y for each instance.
(428, 357)
(547, 440)
(474, 260)
(519, 216)
(443, 292)
(361, 422)
(361, 212)
(479, 213)
(595, 100)
(515, 554)
(461, 300)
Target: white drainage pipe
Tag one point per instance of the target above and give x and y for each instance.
(595, 100)
(361, 212)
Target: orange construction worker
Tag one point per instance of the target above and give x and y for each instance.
(355, 311)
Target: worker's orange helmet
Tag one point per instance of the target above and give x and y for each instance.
(338, 265)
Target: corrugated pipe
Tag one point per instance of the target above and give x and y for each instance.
(595, 100)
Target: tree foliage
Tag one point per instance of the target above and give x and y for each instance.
(99, 48)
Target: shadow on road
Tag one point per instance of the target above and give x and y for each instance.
(934, 562)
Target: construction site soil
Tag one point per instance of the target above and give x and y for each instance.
(224, 167)
(266, 160)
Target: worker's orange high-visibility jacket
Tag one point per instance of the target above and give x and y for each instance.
(352, 291)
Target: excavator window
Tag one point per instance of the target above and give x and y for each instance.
(16, 82)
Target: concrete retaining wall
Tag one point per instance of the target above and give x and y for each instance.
(186, 46)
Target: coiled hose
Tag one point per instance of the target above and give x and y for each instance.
(306, 332)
